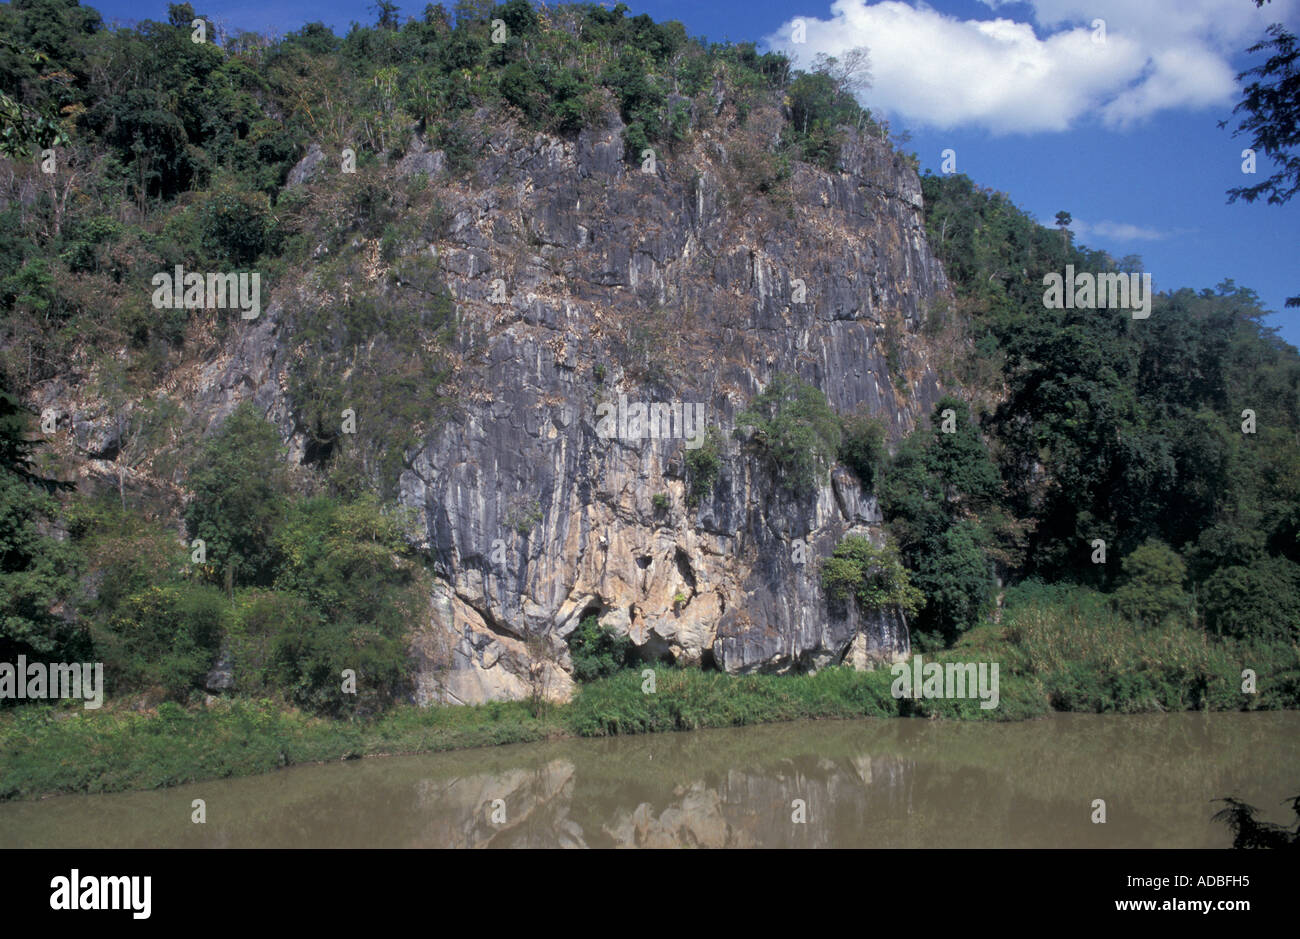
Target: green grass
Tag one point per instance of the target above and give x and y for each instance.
(1062, 651)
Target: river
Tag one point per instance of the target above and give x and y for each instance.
(900, 783)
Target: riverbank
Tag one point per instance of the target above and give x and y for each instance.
(1067, 662)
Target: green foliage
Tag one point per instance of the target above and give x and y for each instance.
(43, 751)
(165, 635)
(597, 651)
(960, 458)
(233, 227)
(348, 563)
(938, 496)
(1261, 599)
(1271, 116)
(36, 570)
(1089, 658)
(381, 353)
(862, 447)
(1115, 429)
(240, 496)
(125, 553)
(660, 501)
(795, 430)
(703, 463)
(1153, 588)
(873, 577)
(342, 591)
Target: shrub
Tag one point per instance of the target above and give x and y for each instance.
(702, 466)
(165, 635)
(232, 226)
(597, 651)
(1262, 599)
(873, 577)
(239, 498)
(862, 447)
(1153, 591)
(257, 624)
(955, 580)
(795, 429)
(348, 562)
(35, 569)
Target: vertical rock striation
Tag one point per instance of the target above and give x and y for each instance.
(671, 286)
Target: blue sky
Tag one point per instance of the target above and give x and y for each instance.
(1119, 129)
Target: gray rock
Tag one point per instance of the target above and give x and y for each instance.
(305, 169)
(222, 675)
(419, 159)
(683, 289)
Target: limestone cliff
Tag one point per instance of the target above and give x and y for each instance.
(592, 249)
(580, 278)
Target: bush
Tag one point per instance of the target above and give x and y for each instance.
(862, 447)
(1153, 591)
(348, 563)
(597, 651)
(955, 580)
(702, 465)
(36, 570)
(166, 635)
(795, 429)
(258, 624)
(239, 499)
(233, 226)
(1261, 600)
(873, 577)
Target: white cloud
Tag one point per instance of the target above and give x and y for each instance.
(1119, 231)
(933, 69)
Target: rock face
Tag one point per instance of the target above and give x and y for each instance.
(583, 281)
(668, 287)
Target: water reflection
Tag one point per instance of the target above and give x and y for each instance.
(893, 783)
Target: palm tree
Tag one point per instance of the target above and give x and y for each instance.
(1063, 220)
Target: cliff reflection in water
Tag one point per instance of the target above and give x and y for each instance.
(895, 783)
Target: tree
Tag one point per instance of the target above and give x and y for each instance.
(935, 496)
(872, 577)
(1271, 105)
(352, 567)
(597, 651)
(1063, 220)
(1248, 832)
(387, 14)
(25, 127)
(1153, 591)
(954, 577)
(36, 571)
(795, 429)
(239, 498)
(850, 73)
(1257, 599)
(862, 447)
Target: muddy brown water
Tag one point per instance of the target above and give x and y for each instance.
(899, 783)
